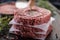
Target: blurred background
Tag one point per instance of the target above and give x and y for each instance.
(54, 2)
(52, 5)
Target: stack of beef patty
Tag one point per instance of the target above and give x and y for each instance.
(34, 23)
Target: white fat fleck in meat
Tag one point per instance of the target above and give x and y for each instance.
(33, 13)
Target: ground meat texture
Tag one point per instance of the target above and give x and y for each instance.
(36, 16)
(41, 35)
(7, 9)
(29, 18)
(28, 28)
(37, 30)
(19, 27)
(30, 32)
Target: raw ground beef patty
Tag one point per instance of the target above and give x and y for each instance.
(7, 8)
(30, 32)
(35, 16)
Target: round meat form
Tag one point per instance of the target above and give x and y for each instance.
(47, 33)
(30, 32)
(28, 28)
(35, 16)
(7, 9)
